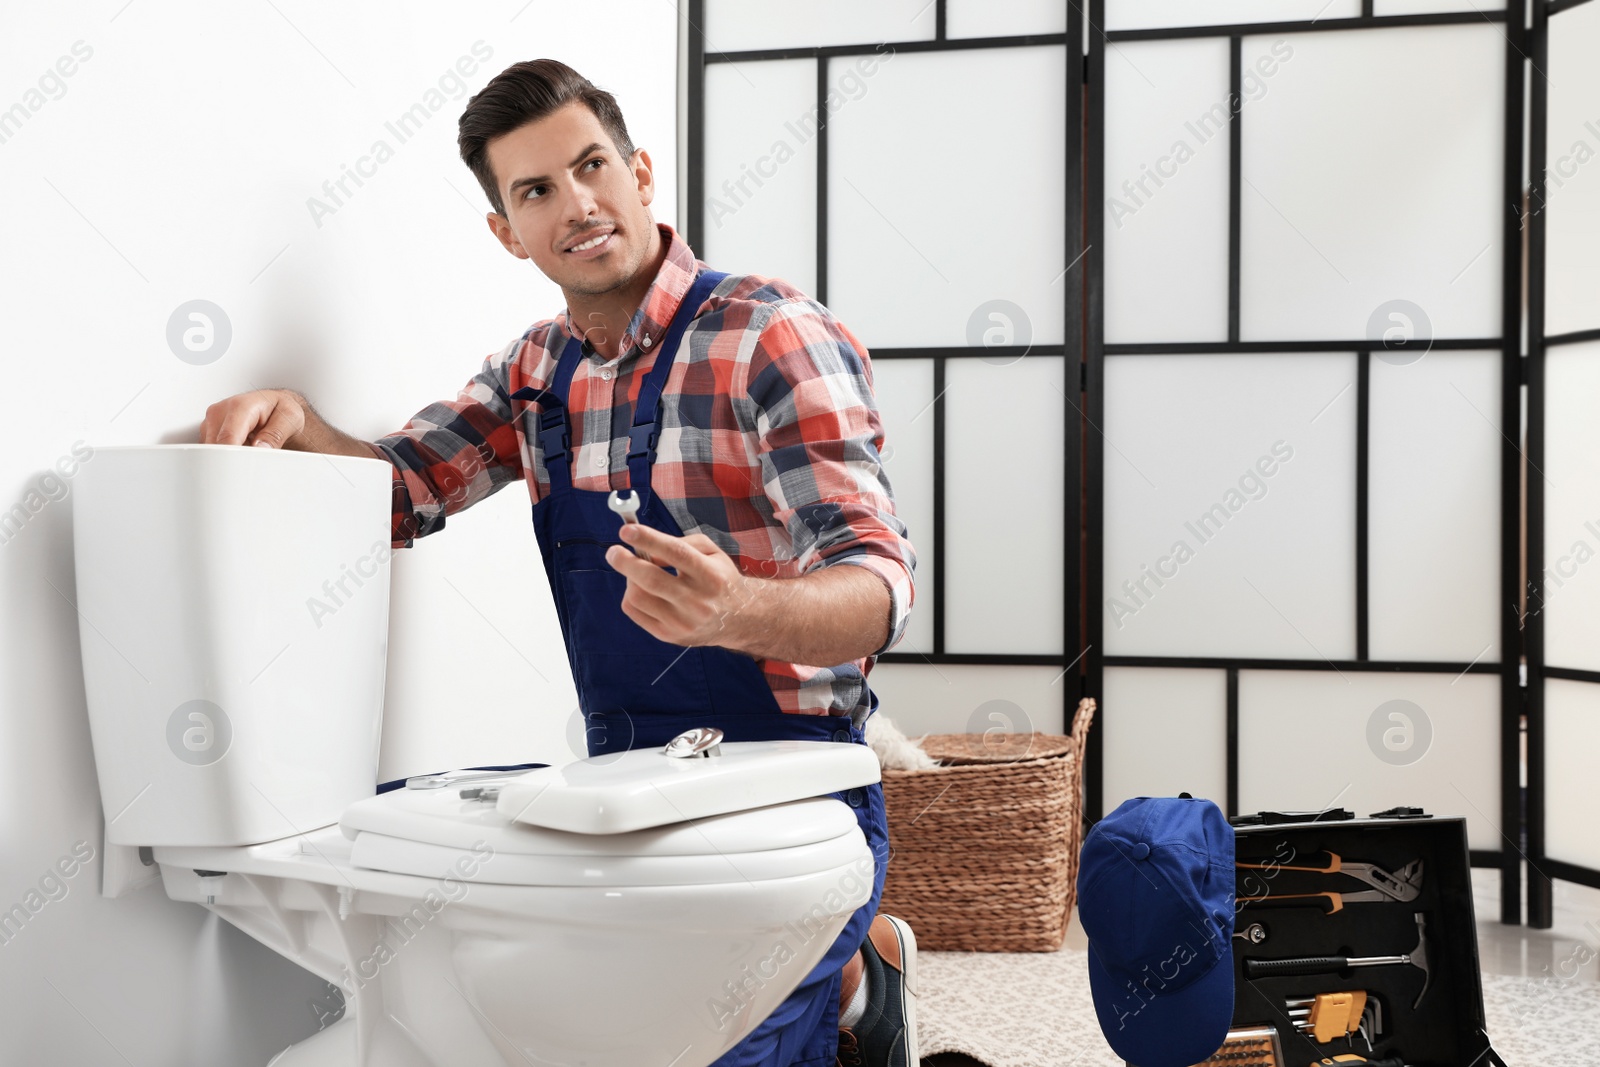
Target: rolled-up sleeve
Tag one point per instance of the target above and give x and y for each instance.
(820, 446)
(452, 453)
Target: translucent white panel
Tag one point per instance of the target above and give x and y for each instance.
(1163, 732)
(1004, 435)
(743, 25)
(904, 388)
(761, 170)
(1571, 603)
(1361, 191)
(1166, 177)
(1572, 737)
(1383, 8)
(1572, 221)
(1433, 508)
(983, 18)
(1230, 506)
(1367, 742)
(944, 699)
(1150, 14)
(945, 177)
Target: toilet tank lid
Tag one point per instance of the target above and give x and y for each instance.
(622, 791)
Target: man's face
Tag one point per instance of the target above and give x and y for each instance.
(563, 185)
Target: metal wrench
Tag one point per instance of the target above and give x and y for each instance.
(628, 508)
(1255, 933)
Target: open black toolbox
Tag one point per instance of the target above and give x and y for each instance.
(1408, 852)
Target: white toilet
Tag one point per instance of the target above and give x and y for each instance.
(639, 909)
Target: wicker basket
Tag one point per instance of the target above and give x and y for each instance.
(984, 850)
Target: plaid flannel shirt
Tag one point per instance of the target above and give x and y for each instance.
(769, 445)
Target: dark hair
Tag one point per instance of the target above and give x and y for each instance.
(526, 92)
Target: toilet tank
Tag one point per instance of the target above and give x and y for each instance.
(233, 614)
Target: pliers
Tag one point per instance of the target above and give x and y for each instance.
(1403, 885)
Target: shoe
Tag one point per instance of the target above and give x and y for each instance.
(886, 1034)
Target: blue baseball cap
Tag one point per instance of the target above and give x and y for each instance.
(1156, 900)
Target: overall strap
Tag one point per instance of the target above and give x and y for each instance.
(645, 431)
(555, 431)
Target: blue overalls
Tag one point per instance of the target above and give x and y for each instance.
(638, 692)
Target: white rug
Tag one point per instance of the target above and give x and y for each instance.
(1010, 1009)
(1033, 1009)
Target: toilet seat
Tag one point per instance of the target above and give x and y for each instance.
(426, 832)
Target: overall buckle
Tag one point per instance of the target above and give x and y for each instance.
(642, 439)
(553, 436)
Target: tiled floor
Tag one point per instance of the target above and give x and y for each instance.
(1541, 987)
(1568, 951)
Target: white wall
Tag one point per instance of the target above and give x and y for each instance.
(174, 163)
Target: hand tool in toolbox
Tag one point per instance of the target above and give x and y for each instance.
(1259, 1046)
(1248, 1046)
(1402, 885)
(1418, 957)
(1329, 1016)
(1255, 933)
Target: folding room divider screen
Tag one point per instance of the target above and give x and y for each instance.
(1303, 520)
(1301, 472)
(1563, 598)
(916, 165)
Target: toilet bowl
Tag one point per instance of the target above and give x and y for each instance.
(461, 937)
(635, 908)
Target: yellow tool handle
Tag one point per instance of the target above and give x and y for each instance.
(1335, 1015)
(1336, 899)
(1330, 1016)
(1331, 868)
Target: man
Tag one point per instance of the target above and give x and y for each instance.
(767, 570)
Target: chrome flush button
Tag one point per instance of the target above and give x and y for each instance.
(701, 741)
